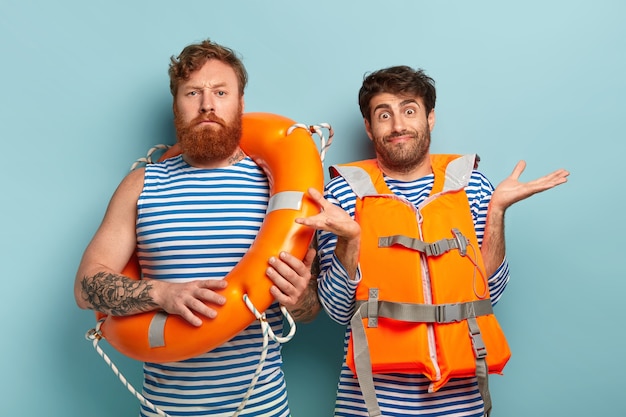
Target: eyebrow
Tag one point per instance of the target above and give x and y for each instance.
(402, 104)
(221, 84)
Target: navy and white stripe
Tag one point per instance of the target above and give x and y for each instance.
(399, 394)
(197, 224)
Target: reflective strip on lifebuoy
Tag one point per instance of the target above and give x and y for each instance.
(292, 165)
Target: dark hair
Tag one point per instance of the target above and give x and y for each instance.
(399, 80)
(194, 56)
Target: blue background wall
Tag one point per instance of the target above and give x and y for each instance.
(85, 92)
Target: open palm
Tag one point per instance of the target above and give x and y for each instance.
(511, 190)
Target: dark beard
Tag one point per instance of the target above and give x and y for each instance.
(208, 143)
(406, 158)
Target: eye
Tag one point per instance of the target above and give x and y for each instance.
(221, 93)
(384, 116)
(192, 93)
(410, 111)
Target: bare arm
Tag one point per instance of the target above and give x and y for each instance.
(507, 193)
(100, 285)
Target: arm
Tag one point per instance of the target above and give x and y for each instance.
(339, 243)
(507, 193)
(336, 220)
(293, 284)
(100, 286)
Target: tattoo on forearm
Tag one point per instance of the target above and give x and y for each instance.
(117, 295)
(310, 306)
(315, 270)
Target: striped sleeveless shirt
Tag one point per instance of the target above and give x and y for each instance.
(197, 223)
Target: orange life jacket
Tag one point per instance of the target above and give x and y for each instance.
(423, 303)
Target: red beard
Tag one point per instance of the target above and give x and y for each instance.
(212, 142)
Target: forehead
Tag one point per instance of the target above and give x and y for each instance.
(213, 73)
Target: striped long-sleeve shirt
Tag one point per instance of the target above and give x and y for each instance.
(399, 394)
(197, 224)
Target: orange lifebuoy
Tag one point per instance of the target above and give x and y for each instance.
(292, 165)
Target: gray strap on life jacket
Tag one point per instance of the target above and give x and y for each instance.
(482, 372)
(363, 363)
(425, 313)
(458, 172)
(415, 313)
(436, 248)
(358, 180)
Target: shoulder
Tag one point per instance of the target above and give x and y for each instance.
(336, 182)
(479, 189)
(480, 181)
(338, 188)
(131, 185)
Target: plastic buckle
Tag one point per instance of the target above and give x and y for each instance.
(480, 350)
(440, 313)
(435, 249)
(448, 313)
(461, 241)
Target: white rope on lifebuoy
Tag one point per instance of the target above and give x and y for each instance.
(268, 333)
(95, 336)
(148, 158)
(317, 129)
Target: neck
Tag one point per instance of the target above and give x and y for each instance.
(411, 173)
(235, 157)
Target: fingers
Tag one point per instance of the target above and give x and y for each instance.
(319, 199)
(519, 168)
(549, 181)
(317, 220)
(290, 276)
(317, 196)
(194, 300)
(554, 178)
(511, 190)
(559, 176)
(309, 258)
(332, 218)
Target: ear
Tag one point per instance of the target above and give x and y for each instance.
(242, 102)
(368, 129)
(431, 120)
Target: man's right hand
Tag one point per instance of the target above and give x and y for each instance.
(189, 300)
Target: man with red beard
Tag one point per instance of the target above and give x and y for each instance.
(412, 258)
(191, 218)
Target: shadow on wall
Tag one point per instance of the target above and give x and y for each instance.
(314, 354)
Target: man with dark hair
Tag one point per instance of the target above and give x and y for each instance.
(191, 218)
(412, 257)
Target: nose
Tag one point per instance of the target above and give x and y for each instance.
(398, 124)
(207, 105)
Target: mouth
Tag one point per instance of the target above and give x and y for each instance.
(209, 122)
(399, 138)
